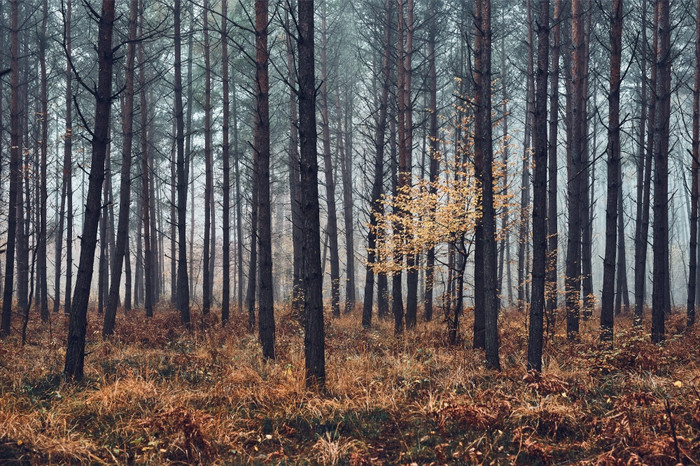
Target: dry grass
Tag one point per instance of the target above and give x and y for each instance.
(157, 394)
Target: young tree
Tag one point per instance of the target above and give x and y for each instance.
(613, 150)
(695, 173)
(75, 350)
(209, 180)
(225, 155)
(539, 207)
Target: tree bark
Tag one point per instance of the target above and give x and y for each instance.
(539, 206)
(208, 175)
(183, 291)
(613, 150)
(149, 276)
(695, 173)
(75, 350)
(266, 321)
(483, 154)
(314, 351)
(660, 281)
(225, 155)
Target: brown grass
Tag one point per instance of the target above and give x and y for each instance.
(157, 394)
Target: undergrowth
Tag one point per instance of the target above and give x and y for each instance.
(155, 393)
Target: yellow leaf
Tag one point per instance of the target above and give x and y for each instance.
(678, 383)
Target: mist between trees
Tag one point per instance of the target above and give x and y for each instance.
(400, 160)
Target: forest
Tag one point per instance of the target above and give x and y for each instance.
(349, 232)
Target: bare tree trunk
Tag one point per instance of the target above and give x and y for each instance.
(225, 155)
(539, 205)
(148, 239)
(121, 253)
(239, 204)
(314, 351)
(208, 175)
(15, 156)
(660, 281)
(75, 350)
(42, 291)
(332, 228)
(613, 150)
(553, 210)
(261, 136)
(622, 296)
(695, 173)
(345, 154)
(573, 254)
(183, 291)
(483, 154)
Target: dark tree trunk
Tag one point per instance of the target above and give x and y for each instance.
(239, 204)
(294, 177)
(483, 155)
(622, 296)
(587, 170)
(376, 207)
(695, 173)
(121, 254)
(225, 155)
(75, 350)
(42, 291)
(572, 285)
(183, 291)
(660, 280)
(208, 175)
(553, 210)
(645, 161)
(149, 276)
(539, 204)
(253, 257)
(345, 154)
(613, 150)
(261, 136)
(15, 157)
(311, 273)
(22, 246)
(332, 227)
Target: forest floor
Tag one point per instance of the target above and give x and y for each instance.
(157, 394)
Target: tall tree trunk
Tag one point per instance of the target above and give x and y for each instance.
(640, 253)
(294, 177)
(376, 207)
(22, 247)
(42, 291)
(239, 203)
(183, 291)
(483, 155)
(345, 154)
(121, 252)
(15, 157)
(622, 296)
(208, 175)
(332, 228)
(572, 286)
(253, 257)
(314, 351)
(539, 205)
(261, 136)
(587, 170)
(695, 173)
(148, 239)
(660, 281)
(434, 152)
(613, 150)
(225, 154)
(553, 210)
(75, 350)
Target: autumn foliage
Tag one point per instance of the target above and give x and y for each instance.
(155, 393)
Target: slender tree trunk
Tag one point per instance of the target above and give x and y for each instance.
(226, 230)
(483, 154)
(577, 100)
(148, 239)
(553, 172)
(695, 173)
(42, 291)
(332, 228)
(660, 281)
(613, 150)
(22, 246)
(261, 136)
(376, 207)
(239, 204)
(75, 350)
(208, 175)
(345, 154)
(15, 156)
(622, 296)
(121, 252)
(539, 206)
(314, 351)
(183, 291)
